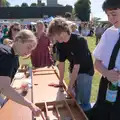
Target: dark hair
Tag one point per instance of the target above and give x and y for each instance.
(68, 15)
(111, 5)
(10, 29)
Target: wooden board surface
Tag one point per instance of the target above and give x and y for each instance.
(46, 96)
(61, 110)
(42, 92)
(14, 111)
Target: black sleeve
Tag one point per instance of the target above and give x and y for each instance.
(61, 53)
(6, 63)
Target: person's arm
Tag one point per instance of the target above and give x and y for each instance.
(74, 75)
(61, 67)
(111, 75)
(10, 93)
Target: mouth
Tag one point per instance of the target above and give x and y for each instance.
(115, 22)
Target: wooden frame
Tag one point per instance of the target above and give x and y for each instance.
(52, 100)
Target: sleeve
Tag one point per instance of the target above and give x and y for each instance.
(61, 53)
(6, 65)
(98, 52)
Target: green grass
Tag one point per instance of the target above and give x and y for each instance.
(96, 77)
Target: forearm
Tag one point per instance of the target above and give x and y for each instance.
(74, 75)
(100, 68)
(61, 67)
(10, 93)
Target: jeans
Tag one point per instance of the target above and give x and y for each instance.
(83, 90)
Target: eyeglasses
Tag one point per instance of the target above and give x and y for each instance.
(16, 29)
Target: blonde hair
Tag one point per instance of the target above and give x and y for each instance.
(73, 27)
(39, 22)
(25, 36)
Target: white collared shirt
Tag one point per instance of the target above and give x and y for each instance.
(105, 47)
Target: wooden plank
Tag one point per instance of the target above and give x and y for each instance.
(42, 91)
(14, 111)
(53, 97)
(67, 106)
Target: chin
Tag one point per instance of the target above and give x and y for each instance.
(117, 26)
(66, 41)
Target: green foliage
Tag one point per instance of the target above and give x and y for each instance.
(33, 5)
(24, 5)
(96, 20)
(16, 6)
(5, 3)
(82, 9)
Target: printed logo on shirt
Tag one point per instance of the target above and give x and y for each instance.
(72, 53)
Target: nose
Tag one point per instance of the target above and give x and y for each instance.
(111, 19)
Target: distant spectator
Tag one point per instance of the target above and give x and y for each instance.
(68, 16)
(5, 29)
(98, 32)
(41, 56)
(13, 30)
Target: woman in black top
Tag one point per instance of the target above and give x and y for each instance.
(23, 44)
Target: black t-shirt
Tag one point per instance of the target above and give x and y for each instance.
(9, 62)
(77, 52)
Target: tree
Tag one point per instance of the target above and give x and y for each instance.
(82, 9)
(16, 6)
(24, 5)
(96, 20)
(5, 3)
(33, 5)
(42, 4)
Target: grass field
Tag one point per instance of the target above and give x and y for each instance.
(96, 78)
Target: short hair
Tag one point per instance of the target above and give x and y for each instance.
(39, 22)
(68, 15)
(57, 26)
(111, 5)
(25, 36)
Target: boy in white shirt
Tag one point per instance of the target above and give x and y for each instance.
(103, 110)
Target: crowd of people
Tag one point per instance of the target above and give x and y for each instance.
(67, 41)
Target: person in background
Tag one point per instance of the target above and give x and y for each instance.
(98, 33)
(104, 54)
(1, 34)
(74, 48)
(74, 28)
(68, 16)
(13, 30)
(40, 56)
(23, 44)
(5, 29)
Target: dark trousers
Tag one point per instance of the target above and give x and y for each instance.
(103, 110)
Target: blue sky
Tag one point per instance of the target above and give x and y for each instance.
(96, 6)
